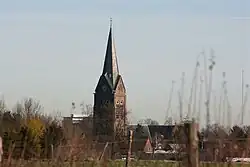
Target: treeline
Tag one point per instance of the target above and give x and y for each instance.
(27, 132)
(220, 143)
(219, 132)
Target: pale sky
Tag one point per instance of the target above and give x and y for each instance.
(54, 50)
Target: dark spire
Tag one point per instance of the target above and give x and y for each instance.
(110, 68)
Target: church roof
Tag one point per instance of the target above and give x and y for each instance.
(110, 67)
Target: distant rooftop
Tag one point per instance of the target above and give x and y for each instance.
(76, 118)
(79, 115)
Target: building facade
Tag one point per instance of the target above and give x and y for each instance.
(77, 126)
(109, 117)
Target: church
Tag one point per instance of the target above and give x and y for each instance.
(110, 115)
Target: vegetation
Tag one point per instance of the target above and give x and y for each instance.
(148, 121)
(122, 164)
(27, 131)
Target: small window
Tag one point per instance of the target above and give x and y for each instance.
(117, 115)
(121, 102)
(120, 88)
(117, 102)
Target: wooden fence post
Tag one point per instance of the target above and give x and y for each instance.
(130, 140)
(104, 150)
(52, 151)
(192, 144)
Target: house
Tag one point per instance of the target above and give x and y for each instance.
(163, 135)
(159, 136)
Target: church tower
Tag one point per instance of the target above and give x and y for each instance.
(109, 118)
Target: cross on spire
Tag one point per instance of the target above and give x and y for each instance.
(110, 22)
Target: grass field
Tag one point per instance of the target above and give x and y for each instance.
(122, 164)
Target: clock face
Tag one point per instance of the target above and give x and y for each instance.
(104, 88)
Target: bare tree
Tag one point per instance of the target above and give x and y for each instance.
(31, 107)
(2, 106)
(148, 121)
(86, 109)
(2, 111)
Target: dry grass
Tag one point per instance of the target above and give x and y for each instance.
(117, 164)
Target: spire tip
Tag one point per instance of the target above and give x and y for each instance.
(110, 22)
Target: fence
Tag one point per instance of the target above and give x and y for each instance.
(82, 150)
(212, 149)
